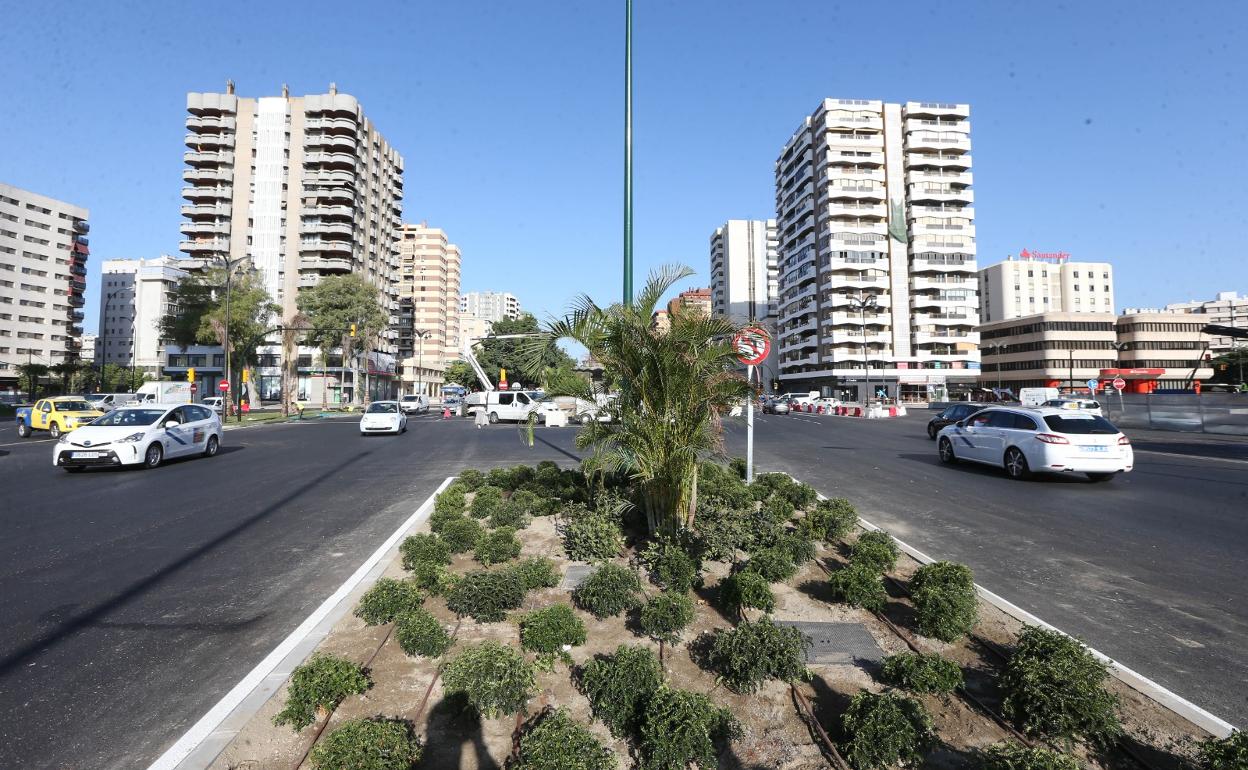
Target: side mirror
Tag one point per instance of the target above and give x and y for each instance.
(171, 424)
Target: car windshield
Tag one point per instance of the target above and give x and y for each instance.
(410, 398)
(1085, 424)
(73, 406)
(129, 417)
(382, 407)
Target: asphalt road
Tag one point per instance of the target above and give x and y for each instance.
(1149, 568)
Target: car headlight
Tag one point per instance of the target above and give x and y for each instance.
(133, 437)
(64, 439)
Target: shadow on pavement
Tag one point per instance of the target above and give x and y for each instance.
(559, 449)
(980, 469)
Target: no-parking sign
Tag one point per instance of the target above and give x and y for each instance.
(752, 345)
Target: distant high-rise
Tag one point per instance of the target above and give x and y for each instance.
(744, 270)
(135, 295)
(429, 300)
(490, 305)
(1044, 283)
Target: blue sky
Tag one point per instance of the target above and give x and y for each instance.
(1112, 130)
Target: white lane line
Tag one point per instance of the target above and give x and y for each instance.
(1182, 456)
(206, 733)
(30, 441)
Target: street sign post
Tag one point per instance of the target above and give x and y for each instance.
(1119, 384)
(752, 345)
(194, 386)
(223, 386)
(1092, 386)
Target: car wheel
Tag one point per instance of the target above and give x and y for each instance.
(493, 417)
(946, 452)
(404, 430)
(1016, 464)
(931, 432)
(23, 430)
(213, 447)
(54, 430)
(154, 455)
(1100, 477)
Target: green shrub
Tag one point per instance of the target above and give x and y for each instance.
(430, 548)
(859, 586)
(875, 549)
(501, 478)
(773, 563)
(831, 519)
(437, 579)
(719, 485)
(461, 534)
(471, 480)
(556, 742)
(589, 536)
(921, 673)
(752, 653)
(778, 509)
(1053, 687)
(619, 685)
(799, 547)
(321, 683)
(885, 730)
(1229, 753)
(487, 500)
(536, 572)
(450, 500)
(486, 596)
(368, 744)
(665, 616)
(439, 519)
(419, 633)
(767, 485)
(509, 514)
(1015, 756)
(387, 599)
(721, 529)
(944, 600)
(681, 727)
(529, 503)
(738, 466)
(747, 589)
(494, 678)
(497, 547)
(671, 566)
(612, 589)
(547, 630)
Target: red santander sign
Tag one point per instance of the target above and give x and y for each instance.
(1044, 256)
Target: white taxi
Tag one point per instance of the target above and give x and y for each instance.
(383, 417)
(145, 435)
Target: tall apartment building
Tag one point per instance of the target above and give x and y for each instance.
(43, 274)
(744, 270)
(1044, 283)
(877, 251)
(135, 294)
(490, 305)
(428, 331)
(299, 188)
(699, 300)
(1227, 308)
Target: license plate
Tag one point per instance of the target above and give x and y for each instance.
(1094, 448)
(88, 455)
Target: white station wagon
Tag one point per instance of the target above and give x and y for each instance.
(145, 435)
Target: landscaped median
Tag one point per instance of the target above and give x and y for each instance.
(533, 623)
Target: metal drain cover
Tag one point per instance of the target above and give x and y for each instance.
(575, 575)
(847, 643)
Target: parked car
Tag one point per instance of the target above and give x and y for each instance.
(950, 415)
(1039, 440)
(1083, 404)
(215, 403)
(383, 417)
(107, 402)
(414, 403)
(775, 406)
(145, 435)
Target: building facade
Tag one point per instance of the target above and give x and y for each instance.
(43, 277)
(429, 304)
(878, 285)
(471, 328)
(490, 305)
(744, 270)
(1225, 309)
(135, 295)
(1170, 348)
(297, 188)
(697, 300)
(1044, 283)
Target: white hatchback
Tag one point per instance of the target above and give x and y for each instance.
(146, 435)
(1039, 440)
(383, 417)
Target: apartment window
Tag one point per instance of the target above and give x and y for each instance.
(1076, 289)
(1076, 273)
(1105, 275)
(1106, 287)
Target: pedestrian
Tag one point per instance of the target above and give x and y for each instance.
(479, 417)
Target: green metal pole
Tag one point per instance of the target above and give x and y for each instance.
(628, 154)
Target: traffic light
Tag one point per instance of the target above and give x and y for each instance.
(246, 372)
(352, 330)
(190, 374)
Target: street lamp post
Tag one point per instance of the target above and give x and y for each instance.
(420, 335)
(231, 394)
(862, 303)
(996, 349)
(628, 153)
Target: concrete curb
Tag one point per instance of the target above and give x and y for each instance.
(207, 738)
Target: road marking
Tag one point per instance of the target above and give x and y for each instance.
(206, 737)
(31, 441)
(1191, 457)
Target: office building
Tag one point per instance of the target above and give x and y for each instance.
(878, 285)
(698, 300)
(490, 305)
(1044, 283)
(743, 270)
(1167, 348)
(43, 274)
(472, 328)
(429, 301)
(1227, 308)
(135, 296)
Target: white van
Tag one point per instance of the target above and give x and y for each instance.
(506, 405)
(107, 402)
(1037, 396)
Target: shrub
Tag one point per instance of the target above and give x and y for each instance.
(1229, 753)
(664, 616)
(471, 479)
(860, 586)
(419, 633)
(767, 485)
(778, 509)
(719, 485)
(671, 566)
(720, 529)
(375, 744)
(773, 563)
(875, 549)
(801, 495)
(752, 653)
(461, 534)
(611, 590)
(831, 519)
(547, 630)
(439, 519)
(321, 683)
(486, 501)
(529, 502)
(502, 478)
(589, 536)
(799, 547)
(437, 579)
(430, 548)
(450, 500)
(738, 466)
(1053, 687)
(619, 685)
(509, 515)
(1015, 756)
(679, 727)
(556, 742)
(387, 599)
(885, 730)
(747, 589)
(486, 596)
(944, 600)
(921, 673)
(536, 572)
(494, 678)
(498, 546)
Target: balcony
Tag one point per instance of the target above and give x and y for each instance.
(942, 282)
(204, 245)
(855, 209)
(800, 327)
(941, 193)
(345, 229)
(952, 160)
(207, 193)
(855, 318)
(77, 316)
(949, 176)
(939, 125)
(953, 318)
(323, 246)
(854, 175)
(77, 285)
(935, 140)
(848, 302)
(855, 337)
(857, 140)
(331, 194)
(946, 226)
(308, 280)
(788, 314)
(220, 158)
(789, 342)
(936, 109)
(805, 288)
(77, 269)
(344, 160)
(331, 142)
(206, 210)
(794, 360)
(76, 301)
(208, 175)
(331, 124)
(203, 142)
(941, 302)
(853, 263)
(211, 123)
(852, 121)
(205, 228)
(334, 212)
(81, 226)
(326, 262)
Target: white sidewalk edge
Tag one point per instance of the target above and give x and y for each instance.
(201, 744)
(1136, 681)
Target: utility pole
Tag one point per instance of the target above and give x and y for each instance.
(628, 154)
(420, 358)
(1070, 368)
(862, 303)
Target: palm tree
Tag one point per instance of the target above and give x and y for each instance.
(672, 389)
(291, 331)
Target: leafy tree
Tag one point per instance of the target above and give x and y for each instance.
(495, 354)
(619, 685)
(460, 373)
(332, 306)
(29, 376)
(680, 728)
(495, 678)
(66, 370)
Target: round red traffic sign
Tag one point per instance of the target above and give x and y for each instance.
(752, 345)
(194, 387)
(1119, 383)
(223, 386)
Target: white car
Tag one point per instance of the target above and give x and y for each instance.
(1045, 439)
(383, 417)
(145, 435)
(414, 403)
(214, 403)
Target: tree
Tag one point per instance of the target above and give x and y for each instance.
(1229, 368)
(117, 378)
(29, 376)
(66, 370)
(460, 373)
(495, 354)
(336, 303)
(672, 389)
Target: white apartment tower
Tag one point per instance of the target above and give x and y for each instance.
(877, 277)
(429, 301)
(135, 295)
(743, 270)
(43, 274)
(490, 305)
(1044, 283)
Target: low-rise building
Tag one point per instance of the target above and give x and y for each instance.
(1227, 308)
(1169, 348)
